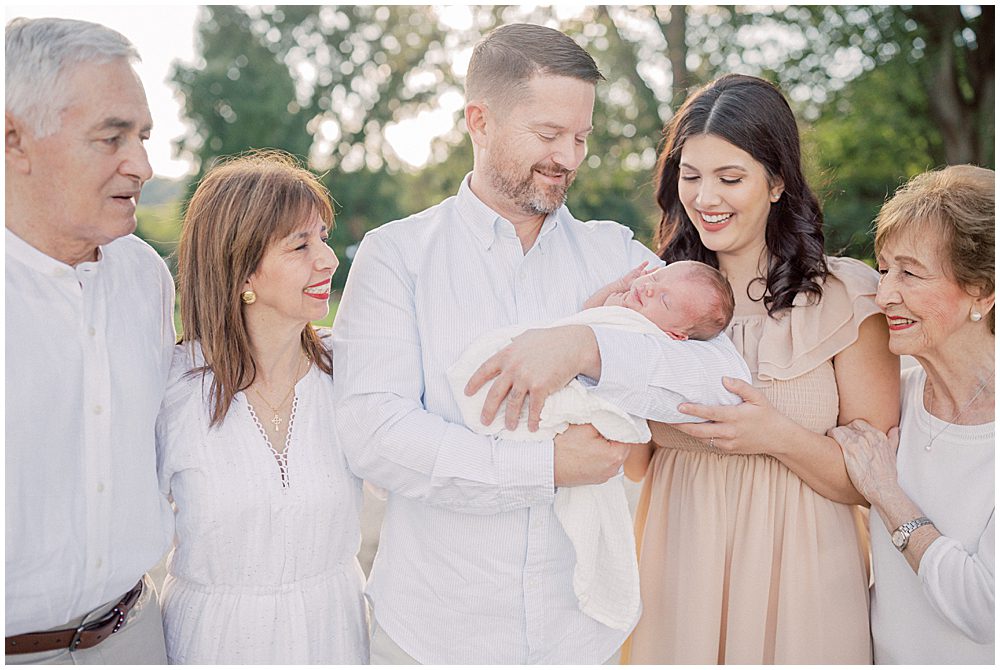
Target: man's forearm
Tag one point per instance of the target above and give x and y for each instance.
(590, 353)
(399, 446)
(649, 375)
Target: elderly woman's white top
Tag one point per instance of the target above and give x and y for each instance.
(945, 613)
(263, 569)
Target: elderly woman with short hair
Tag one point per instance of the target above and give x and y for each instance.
(931, 481)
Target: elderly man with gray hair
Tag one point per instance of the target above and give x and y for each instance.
(88, 346)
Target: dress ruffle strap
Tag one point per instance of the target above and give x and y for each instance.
(807, 335)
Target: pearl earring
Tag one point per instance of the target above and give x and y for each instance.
(975, 316)
(248, 297)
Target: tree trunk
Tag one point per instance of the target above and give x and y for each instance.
(954, 114)
(626, 52)
(672, 20)
(983, 70)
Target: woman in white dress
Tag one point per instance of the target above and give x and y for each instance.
(931, 481)
(263, 568)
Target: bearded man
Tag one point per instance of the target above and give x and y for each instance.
(473, 565)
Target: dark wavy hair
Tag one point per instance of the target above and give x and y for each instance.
(749, 113)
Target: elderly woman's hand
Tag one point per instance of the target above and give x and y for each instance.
(870, 456)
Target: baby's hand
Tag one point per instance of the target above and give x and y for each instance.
(624, 283)
(620, 285)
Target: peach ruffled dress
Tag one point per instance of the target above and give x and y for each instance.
(739, 560)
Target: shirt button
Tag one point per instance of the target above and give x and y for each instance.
(99, 562)
(100, 488)
(98, 409)
(91, 331)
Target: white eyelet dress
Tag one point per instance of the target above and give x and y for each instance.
(263, 568)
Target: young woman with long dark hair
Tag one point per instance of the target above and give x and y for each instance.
(749, 547)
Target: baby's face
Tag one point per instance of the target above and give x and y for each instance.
(669, 297)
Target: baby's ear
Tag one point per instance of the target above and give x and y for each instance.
(675, 334)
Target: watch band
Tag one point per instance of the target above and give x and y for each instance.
(905, 530)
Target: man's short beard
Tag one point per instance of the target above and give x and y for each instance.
(526, 195)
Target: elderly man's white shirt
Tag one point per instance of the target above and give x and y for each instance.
(87, 355)
(473, 566)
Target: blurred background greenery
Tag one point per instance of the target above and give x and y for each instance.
(881, 93)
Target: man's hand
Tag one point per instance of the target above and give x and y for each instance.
(533, 366)
(582, 456)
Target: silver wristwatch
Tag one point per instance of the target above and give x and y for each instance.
(901, 536)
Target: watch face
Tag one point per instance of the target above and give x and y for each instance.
(898, 539)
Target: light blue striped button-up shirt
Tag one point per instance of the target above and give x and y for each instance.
(472, 565)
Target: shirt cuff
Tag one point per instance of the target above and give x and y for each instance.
(526, 471)
(930, 562)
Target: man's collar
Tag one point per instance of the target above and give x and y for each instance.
(486, 224)
(476, 214)
(21, 251)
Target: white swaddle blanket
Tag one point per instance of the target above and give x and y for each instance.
(596, 518)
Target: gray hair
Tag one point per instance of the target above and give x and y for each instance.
(39, 55)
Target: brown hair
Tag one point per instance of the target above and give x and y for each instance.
(242, 205)
(508, 57)
(718, 296)
(958, 205)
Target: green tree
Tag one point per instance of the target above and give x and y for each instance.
(881, 92)
(950, 49)
(318, 81)
(322, 82)
(239, 95)
(874, 135)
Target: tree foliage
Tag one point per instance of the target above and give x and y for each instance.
(882, 92)
(239, 95)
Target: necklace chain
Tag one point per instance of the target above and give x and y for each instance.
(276, 420)
(930, 440)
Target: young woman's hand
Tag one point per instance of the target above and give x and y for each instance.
(747, 428)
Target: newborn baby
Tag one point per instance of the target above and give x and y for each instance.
(685, 300)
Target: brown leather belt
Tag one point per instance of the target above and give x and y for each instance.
(83, 637)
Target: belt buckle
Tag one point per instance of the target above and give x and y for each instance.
(116, 614)
(75, 642)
